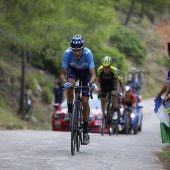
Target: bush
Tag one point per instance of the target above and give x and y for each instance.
(47, 95)
(128, 43)
(118, 59)
(35, 79)
(30, 82)
(2, 102)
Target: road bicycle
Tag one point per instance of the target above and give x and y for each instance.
(110, 116)
(128, 111)
(76, 122)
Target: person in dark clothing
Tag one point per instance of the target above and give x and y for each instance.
(57, 99)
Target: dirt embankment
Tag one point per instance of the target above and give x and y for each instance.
(163, 30)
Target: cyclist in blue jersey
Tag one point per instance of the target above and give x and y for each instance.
(78, 64)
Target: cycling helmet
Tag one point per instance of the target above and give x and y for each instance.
(133, 69)
(77, 42)
(127, 88)
(106, 61)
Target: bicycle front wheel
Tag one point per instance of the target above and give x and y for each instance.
(74, 129)
(103, 126)
(110, 129)
(115, 127)
(127, 124)
(79, 128)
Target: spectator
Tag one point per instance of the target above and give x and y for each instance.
(166, 86)
(57, 99)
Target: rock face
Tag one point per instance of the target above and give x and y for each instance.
(163, 30)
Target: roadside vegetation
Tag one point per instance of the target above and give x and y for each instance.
(164, 157)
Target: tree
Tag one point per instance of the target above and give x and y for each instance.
(130, 12)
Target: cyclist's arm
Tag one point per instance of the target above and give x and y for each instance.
(64, 66)
(98, 83)
(117, 85)
(63, 72)
(133, 99)
(93, 75)
(168, 84)
(163, 90)
(167, 93)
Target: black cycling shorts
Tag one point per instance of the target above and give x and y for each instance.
(107, 86)
(82, 75)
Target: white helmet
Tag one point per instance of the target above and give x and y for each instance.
(127, 88)
(133, 69)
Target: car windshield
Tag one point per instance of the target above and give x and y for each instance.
(92, 102)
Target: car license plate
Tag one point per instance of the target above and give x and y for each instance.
(98, 123)
(57, 122)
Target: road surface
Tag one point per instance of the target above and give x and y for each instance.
(48, 150)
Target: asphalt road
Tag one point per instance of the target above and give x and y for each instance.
(48, 150)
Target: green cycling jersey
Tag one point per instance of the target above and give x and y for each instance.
(113, 73)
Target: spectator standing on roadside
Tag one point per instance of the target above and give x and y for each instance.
(166, 87)
(57, 99)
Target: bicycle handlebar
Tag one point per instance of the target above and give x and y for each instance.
(75, 87)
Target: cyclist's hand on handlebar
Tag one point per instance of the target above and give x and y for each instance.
(67, 85)
(99, 92)
(91, 86)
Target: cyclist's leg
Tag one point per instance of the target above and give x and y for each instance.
(84, 76)
(103, 103)
(114, 85)
(129, 104)
(72, 78)
(104, 90)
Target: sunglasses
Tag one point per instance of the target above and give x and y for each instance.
(78, 50)
(106, 66)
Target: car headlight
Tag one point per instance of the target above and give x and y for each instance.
(132, 115)
(91, 117)
(98, 117)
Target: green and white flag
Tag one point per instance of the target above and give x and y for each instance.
(163, 113)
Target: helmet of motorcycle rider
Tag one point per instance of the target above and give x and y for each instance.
(106, 61)
(133, 69)
(127, 88)
(77, 42)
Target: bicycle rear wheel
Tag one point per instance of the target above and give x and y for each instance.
(79, 139)
(127, 124)
(73, 129)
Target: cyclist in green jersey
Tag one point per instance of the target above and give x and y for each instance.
(107, 81)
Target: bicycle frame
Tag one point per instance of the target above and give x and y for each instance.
(109, 109)
(76, 119)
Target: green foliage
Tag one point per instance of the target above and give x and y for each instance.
(47, 94)
(165, 154)
(128, 43)
(30, 83)
(45, 30)
(9, 121)
(35, 79)
(2, 102)
(118, 59)
(10, 70)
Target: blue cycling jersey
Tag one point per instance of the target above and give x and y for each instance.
(85, 62)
